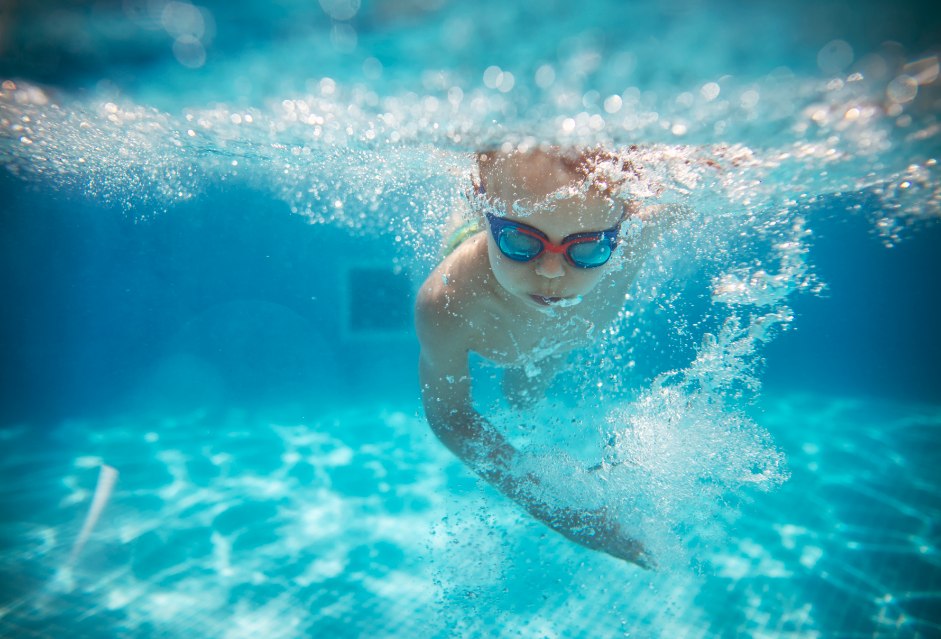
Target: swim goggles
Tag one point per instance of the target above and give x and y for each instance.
(523, 243)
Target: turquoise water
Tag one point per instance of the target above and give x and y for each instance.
(214, 223)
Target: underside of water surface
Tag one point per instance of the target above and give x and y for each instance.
(215, 220)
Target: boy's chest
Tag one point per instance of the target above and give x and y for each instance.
(519, 340)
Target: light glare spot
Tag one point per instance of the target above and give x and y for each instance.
(372, 69)
(493, 76)
(343, 38)
(923, 71)
(189, 52)
(612, 104)
(902, 89)
(710, 91)
(545, 76)
(835, 56)
(87, 461)
(749, 99)
(340, 9)
(631, 96)
(183, 19)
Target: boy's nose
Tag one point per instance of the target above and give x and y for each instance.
(551, 265)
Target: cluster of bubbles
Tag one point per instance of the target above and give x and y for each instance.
(675, 456)
(817, 136)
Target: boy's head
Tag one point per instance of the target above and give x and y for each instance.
(536, 175)
(561, 196)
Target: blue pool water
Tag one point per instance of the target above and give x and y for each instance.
(214, 221)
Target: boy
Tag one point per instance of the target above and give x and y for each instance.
(523, 292)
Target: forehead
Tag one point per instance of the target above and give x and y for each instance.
(531, 176)
(569, 216)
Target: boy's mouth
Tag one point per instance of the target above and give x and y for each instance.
(552, 300)
(543, 300)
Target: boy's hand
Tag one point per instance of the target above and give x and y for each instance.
(597, 531)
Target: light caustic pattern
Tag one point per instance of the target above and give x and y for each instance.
(356, 523)
(249, 512)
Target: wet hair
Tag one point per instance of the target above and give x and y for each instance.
(596, 168)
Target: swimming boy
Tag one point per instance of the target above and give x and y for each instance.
(523, 292)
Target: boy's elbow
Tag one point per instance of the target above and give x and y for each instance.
(447, 421)
(442, 418)
(448, 431)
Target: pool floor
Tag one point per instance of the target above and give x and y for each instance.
(353, 523)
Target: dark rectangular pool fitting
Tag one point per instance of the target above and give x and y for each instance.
(378, 301)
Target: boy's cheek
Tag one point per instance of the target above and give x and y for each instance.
(508, 274)
(503, 266)
(590, 279)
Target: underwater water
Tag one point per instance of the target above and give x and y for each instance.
(214, 223)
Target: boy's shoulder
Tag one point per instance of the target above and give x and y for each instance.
(460, 285)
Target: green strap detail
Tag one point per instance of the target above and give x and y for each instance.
(462, 233)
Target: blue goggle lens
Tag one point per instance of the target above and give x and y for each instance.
(519, 246)
(589, 254)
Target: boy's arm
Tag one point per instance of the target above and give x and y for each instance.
(444, 375)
